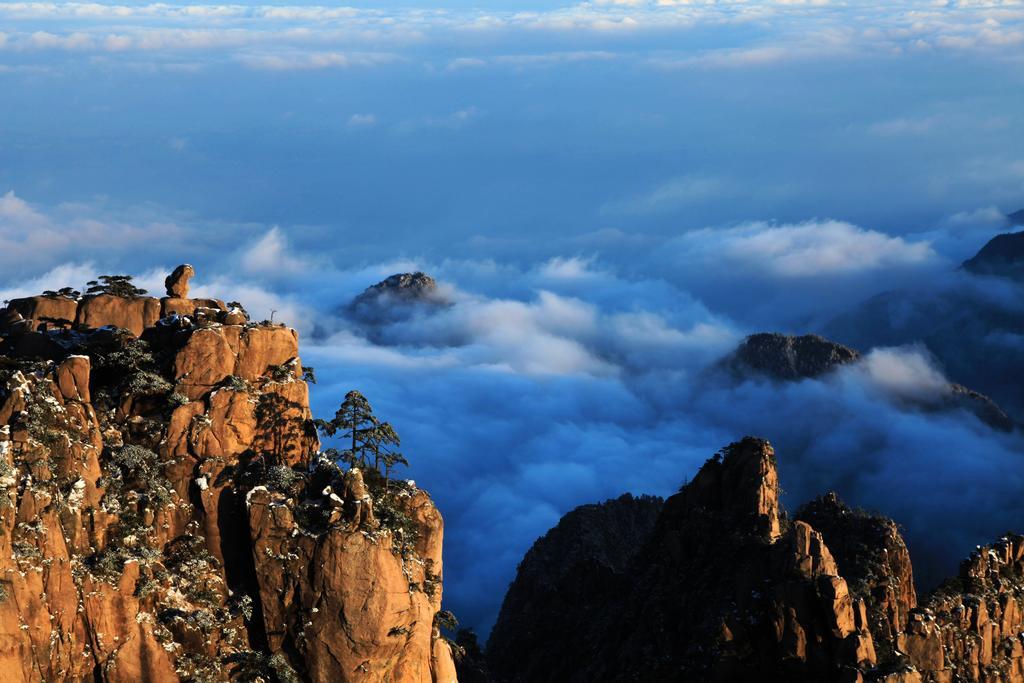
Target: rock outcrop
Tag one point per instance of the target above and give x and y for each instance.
(177, 282)
(402, 286)
(164, 513)
(725, 587)
(134, 313)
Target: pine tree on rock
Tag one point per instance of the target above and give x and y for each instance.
(355, 420)
(367, 436)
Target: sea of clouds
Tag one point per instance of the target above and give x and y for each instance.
(611, 195)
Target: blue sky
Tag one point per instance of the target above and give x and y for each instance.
(612, 192)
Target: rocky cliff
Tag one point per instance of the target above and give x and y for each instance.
(164, 513)
(725, 586)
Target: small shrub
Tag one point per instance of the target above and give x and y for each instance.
(241, 605)
(176, 400)
(284, 479)
(235, 383)
(446, 619)
(146, 383)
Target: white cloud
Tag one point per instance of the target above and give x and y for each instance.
(361, 120)
(271, 256)
(903, 126)
(572, 268)
(671, 194)
(799, 250)
(903, 373)
(790, 29)
(315, 60)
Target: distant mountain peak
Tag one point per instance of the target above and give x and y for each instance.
(416, 285)
(789, 357)
(396, 297)
(1017, 217)
(1003, 255)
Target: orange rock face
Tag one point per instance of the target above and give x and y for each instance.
(158, 520)
(360, 610)
(43, 311)
(134, 314)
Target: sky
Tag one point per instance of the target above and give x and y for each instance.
(611, 195)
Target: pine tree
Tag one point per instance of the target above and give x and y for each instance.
(355, 420)
(367, 436)
(115, 285)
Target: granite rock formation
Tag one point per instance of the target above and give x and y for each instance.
(177, 282)
(164, 513)
(725, 587)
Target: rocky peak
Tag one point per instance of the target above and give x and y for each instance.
(742, 482)
(788, 357)
(871, 554)
(416, 285)
(1016, 218)
(396, 297)
(165, 515)
(1003, 255)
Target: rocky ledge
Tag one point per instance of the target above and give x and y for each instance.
(165, 514)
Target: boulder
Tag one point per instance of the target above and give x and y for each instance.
(177, 281)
